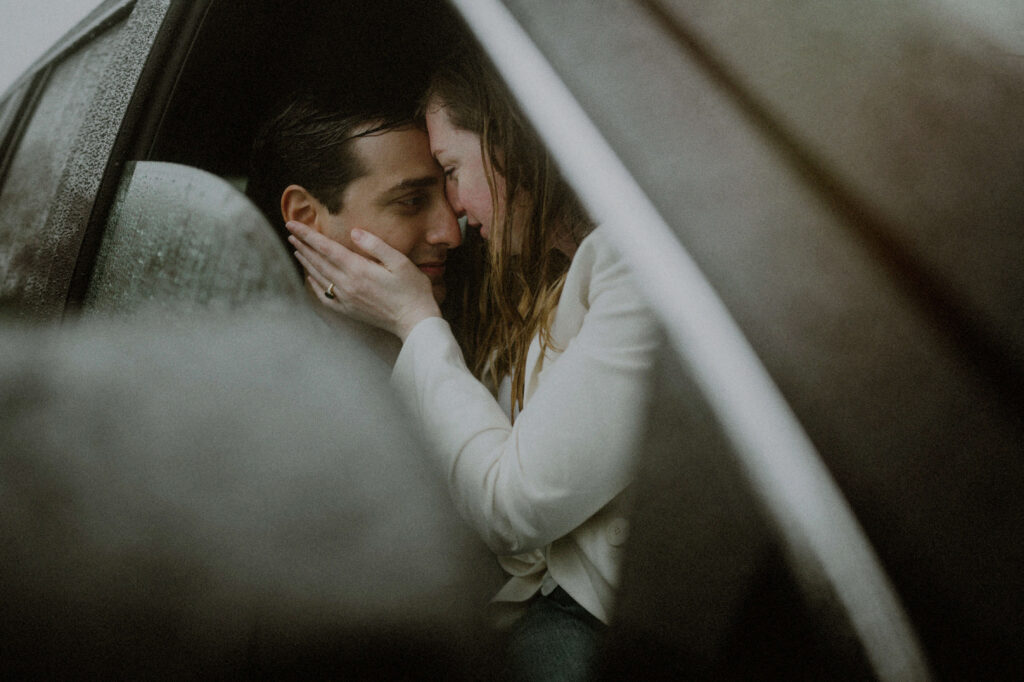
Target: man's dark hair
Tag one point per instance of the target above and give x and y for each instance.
(308, 142)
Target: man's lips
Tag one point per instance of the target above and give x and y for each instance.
(434, 269)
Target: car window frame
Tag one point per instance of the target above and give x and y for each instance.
(23, 99)
(158, 32)
(147, 104)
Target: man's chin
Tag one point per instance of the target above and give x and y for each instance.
(440, 291)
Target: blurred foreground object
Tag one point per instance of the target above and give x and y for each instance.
(226, 500)
(847, 179)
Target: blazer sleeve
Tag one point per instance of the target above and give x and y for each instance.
(572, 447)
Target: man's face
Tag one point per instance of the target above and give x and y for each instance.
(401, 200)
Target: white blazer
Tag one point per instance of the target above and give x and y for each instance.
(548, 494)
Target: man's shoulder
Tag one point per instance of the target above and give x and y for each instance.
(345, 331)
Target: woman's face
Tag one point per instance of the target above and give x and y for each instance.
(458, 153)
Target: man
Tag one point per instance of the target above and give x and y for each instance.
(371, 168)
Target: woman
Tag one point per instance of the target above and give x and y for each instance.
(564, 338)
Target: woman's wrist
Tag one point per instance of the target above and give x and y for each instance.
(411, 321)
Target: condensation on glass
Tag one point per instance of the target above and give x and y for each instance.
(8, 112)
(34, 250)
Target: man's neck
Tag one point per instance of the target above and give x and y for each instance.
(383, 344)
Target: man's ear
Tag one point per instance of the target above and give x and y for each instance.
(299, 205)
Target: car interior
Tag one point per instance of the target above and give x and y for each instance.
(173, 232)
(168, 224)
(202, 105)
(235, 72)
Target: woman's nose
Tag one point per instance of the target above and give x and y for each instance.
(446, 227)
(452, 194)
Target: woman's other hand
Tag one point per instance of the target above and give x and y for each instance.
(388, 292)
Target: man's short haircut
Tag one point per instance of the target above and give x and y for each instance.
(308, 142)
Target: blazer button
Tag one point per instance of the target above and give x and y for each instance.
(617, 531)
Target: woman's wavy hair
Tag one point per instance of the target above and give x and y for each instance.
(519, 292)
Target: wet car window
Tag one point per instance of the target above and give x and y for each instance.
(8, 114)
(33, 252)
(7, 110)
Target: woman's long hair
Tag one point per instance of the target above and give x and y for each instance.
(519, 292)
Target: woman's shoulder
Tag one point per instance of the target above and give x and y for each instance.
(599, 278)
(602, 307)
(597, 242)
(597, 262)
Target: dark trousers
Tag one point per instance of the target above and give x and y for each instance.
(557, 639)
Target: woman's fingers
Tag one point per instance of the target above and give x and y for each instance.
(307, 234)
(311, 258)
(314, 275)
(318, 283)
(344, 268)
(332, 251)
(322, 295)
(378, 249)
(383, 288)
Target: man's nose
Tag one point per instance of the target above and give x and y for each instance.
(444, 227)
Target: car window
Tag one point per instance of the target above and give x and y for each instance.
(32, 248)
(7, 110)
(8, 114)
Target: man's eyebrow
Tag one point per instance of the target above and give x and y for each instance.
(413, 183)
